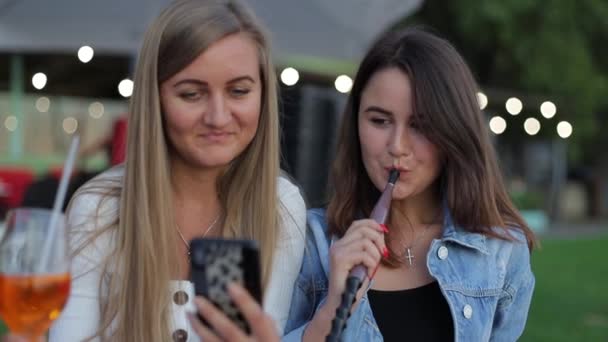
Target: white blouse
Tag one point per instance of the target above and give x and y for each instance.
(80, 318)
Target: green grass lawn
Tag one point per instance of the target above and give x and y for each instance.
(570, 301)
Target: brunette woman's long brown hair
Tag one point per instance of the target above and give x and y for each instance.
(446, 110)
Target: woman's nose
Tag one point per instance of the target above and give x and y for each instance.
(399, 144)
(217, 114)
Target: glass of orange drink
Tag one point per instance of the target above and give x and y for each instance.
(34, 271)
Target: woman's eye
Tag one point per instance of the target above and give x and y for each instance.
(190, 96)
(238, 92)
(379, 121)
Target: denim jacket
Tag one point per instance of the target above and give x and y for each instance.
(487, 283)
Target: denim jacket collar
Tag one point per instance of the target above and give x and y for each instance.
(456, 234)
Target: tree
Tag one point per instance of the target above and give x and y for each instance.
(546, 49)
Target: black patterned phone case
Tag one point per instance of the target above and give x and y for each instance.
(216, 263)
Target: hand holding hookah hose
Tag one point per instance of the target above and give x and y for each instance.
(357, 275)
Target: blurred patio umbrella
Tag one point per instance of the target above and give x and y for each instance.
(313, 34)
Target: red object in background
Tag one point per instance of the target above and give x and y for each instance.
(16, 181)
(119, 141)
(57, 171)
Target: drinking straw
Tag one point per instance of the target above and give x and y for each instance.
(60, 198)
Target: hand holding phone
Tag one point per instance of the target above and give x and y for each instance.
(215, 263)
(263, 328)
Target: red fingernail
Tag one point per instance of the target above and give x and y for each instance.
(385, 252)
(384, 228)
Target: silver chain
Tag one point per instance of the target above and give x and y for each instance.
(179, 231)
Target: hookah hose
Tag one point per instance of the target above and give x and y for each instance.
(357, 275)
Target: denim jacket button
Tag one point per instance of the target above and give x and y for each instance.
(442, 253)
(467, 311)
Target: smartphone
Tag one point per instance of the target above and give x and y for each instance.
(215, 263)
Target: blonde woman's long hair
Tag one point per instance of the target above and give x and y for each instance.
(134, 292)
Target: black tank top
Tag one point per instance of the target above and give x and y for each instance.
(419, 314)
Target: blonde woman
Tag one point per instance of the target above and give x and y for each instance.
(202, 161)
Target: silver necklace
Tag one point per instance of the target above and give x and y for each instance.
(407, 253)
(179, 231)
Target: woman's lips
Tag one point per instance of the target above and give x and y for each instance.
(216, 136)
(400, 169)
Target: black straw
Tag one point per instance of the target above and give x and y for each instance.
(394, 175)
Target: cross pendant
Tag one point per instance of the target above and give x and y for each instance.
(409, 256)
